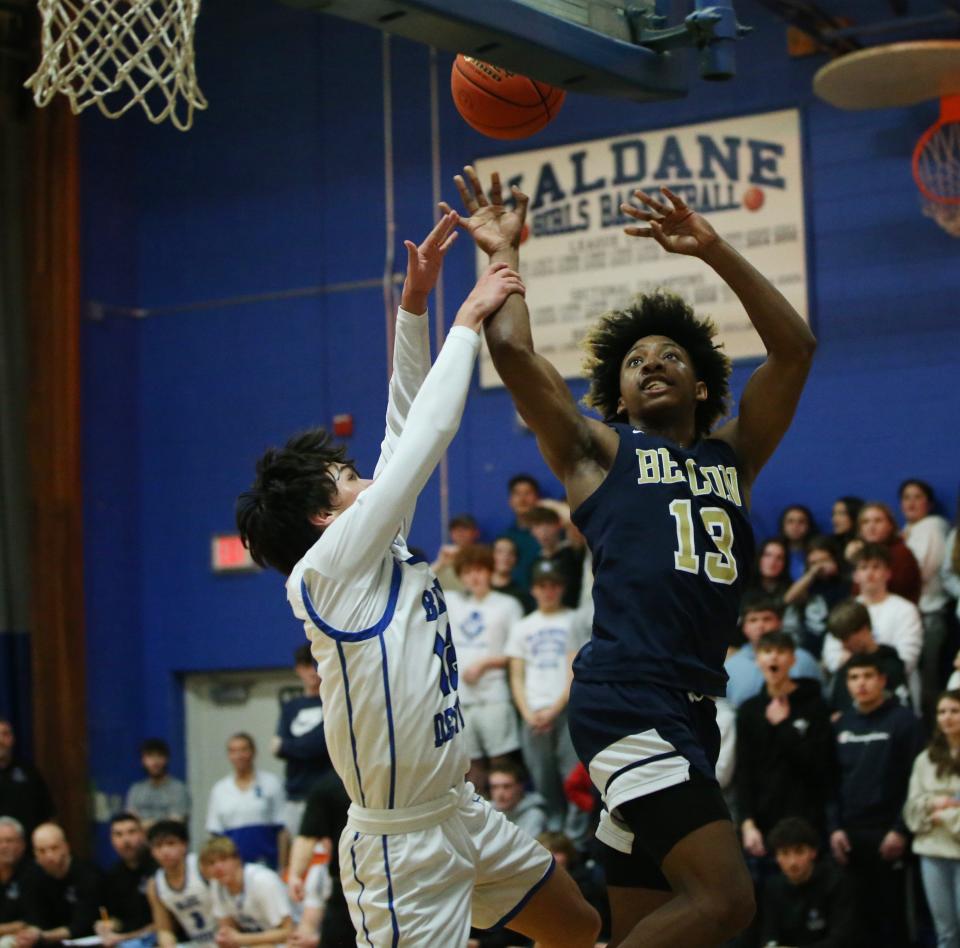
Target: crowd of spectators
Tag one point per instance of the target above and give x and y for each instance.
(840, 752)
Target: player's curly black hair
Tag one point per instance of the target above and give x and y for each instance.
(655, 314)
(292, 483)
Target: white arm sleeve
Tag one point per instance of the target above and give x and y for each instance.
(411, 363)
(352, 548)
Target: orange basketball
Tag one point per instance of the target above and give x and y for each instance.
(499, 103)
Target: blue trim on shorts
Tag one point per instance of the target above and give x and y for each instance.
(393, 914)
(390, 731)
(633, 765)
(365, 634)
(363, 915)
(353, 736)
(515, 911)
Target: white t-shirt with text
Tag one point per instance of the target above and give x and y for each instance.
(480, 629)
(544, 643)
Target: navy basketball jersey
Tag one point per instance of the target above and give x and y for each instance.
(671, 546)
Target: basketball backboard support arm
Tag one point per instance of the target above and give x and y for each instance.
(531, 39)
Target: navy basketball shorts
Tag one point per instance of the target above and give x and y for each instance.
(651, 753)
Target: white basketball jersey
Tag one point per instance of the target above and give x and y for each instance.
(375, 615)
(191, 905)
(261, 905)
(389, 690)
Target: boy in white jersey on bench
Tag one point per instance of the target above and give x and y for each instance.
(179, 892)
(422, 854)
(250, 901)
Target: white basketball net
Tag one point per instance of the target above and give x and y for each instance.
(117, 53)
(938, 168)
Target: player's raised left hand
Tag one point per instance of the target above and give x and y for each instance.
(424, 263)
(492, 224)
(673, 225)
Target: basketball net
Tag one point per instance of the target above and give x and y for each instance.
(118, 53)
(936, 167)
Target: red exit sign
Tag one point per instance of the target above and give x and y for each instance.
(229, 555)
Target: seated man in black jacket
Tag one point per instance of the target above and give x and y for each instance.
(876, 743)
(125, 884)
(13, 845)
(784, 751)
(809, 902)
(61, 894)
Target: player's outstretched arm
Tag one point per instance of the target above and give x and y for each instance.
(411, 346)
(568, 440)
(771, 395)
(354, 544)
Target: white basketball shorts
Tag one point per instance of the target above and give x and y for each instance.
(421, 876)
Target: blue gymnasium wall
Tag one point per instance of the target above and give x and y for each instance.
(280, 185)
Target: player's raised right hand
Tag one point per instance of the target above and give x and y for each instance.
(424, 263)
(496, 283)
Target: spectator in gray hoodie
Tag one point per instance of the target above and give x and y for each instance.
(509, 795)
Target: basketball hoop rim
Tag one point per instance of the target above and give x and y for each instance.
(949, 114)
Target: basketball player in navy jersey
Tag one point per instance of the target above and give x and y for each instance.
(662, 500)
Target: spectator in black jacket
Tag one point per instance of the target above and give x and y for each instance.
(809, 902)
(61, 894)
(784, 748)
(125, 884)
(849, 622)
(23, 791)
(13, 845)
(876, 742)
(300, 740)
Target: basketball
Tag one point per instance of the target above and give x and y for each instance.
(501, 104)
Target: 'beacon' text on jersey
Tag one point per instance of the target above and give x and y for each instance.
(671, 545)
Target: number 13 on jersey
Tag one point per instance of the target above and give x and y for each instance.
(720, 565)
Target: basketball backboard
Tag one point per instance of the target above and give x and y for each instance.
(623, 48)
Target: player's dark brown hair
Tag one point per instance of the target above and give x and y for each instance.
(292, 483)
(655, 314)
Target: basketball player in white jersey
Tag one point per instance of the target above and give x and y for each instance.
(179, 891)
(422, 855)
(250, 901)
